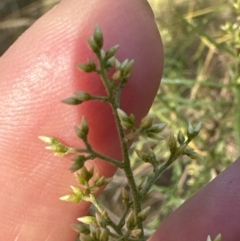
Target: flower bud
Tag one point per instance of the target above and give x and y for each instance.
(81, 228)
(104, 236)
(85, 237)
(172, 143)
(88, 68)
(218, 238)
(82, 132)
(78, 163)
(144, 213)
(72, 101)
(156, 128)
(136, 233)
(143, 183)
(130, 221)
(80, 179)
(110, 63)
(100, 220)
(197, 127)
(126, 69)
(98, 36)
(71, 198)
(125, 197)
(180, 137)
(93, 45)
(83, 96)
(190, 131)
(87, 220)
(77, 192)
(86, 174)
(84, 126)
(126, 121)
(146, 122)
(111, 52)
(117, 75)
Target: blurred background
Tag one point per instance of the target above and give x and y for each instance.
(200, 83)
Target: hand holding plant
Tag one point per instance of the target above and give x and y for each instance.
(38, 180)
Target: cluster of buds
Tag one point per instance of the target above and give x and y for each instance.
(178, 146)
(100, 227)
(132, 222)
(87, 189)
(193, 130)
(93, 228)
(122, 72)
(148, 156)
(56, 146)
(150, 129)
(127, 121)
(107, 60)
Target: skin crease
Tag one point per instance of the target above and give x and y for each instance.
(36, 73)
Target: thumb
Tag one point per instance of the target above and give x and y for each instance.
(37, 72)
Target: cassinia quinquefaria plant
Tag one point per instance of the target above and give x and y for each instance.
(101, 227)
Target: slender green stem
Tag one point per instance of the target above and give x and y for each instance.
(154, 178)
(160, 170)
(101, 98)
(122, 137)
(125, 213)
(100, 209)
(101, 156)
(92, 199)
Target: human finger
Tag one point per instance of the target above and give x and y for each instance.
(37, 72)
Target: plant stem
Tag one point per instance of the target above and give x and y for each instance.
(124, 144)
(157, 173)
(101, 156)
(94, 201)
(125, 213)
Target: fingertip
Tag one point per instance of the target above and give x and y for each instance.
(214, 209)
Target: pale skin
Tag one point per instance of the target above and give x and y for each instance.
(37, 72)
